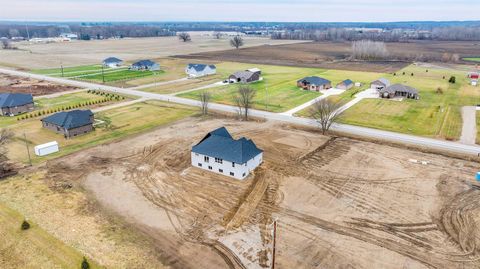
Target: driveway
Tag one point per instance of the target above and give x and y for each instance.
(325, 94)
(369, 93)
(469, 130)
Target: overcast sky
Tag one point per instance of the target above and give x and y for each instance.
(240, 10)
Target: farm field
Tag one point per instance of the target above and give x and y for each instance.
(283, 93)
(42, 56)
(118, 123)
(33, 248)
(335, 55)
(434, 115)
(339, 202)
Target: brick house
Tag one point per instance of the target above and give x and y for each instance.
(314, 83)
(70, 123)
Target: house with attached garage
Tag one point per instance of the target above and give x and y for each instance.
(13, 104)
(314, 83)
(220, 153)
(200, 70)
(247, 76)
(70, 123)
(112, 62)
(145, 65)
(399, 90)
(380, 84)
(345, 85)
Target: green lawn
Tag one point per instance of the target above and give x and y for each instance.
(278, 91)
(70, 71)
(121, 75)
(473, 59)
(434, 115)
(478, 127)
(33, 248)
(125, 121)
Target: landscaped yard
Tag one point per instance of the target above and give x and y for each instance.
(120, 122)
(278, 91)
(33, 248)
(434, 115)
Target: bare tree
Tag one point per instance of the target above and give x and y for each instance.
(185, 37)
(205, 97)
(369, 50)
(237, 42)
(217, 35)
(5, 137)
(325, 112)
(244, 100)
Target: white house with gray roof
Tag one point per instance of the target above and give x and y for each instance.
(200, 70)
(220, 153)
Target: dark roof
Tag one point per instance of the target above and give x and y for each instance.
(201, 67)
(383, 81)
(314, 81)
(346, 82)
(220, 144)
(15, 99)
(112, 60)
(243, 74)
(145, 63)
(400, 88)
(70, 119)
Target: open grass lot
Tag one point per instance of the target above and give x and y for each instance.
(69, 71)
(33, 248)
(280, 81)
(472, 59)
(478, 127)
(434, 115)
(125, 121)
(120, 75)
(185, 85)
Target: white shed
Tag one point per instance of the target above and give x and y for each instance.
(45, 149)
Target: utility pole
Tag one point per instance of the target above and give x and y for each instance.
(28, 149)
(61, 66)
(28, 33)
(274, 242)
(103, 75)
(266, 96)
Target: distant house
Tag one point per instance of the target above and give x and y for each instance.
(13, 104)
(199, 70)
(147, 65)
(247, 76)
(345, 85)
(314, 83)
(380, 84)
(399, 90)
(112, 62)
(70, 123)
(70, 36)
(218, 152)
(473, 75)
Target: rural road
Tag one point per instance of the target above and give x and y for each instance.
(426, 143)
(469, 129)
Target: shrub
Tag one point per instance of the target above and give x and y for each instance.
(394, 74)
(452, 79)
(25, 225)
(412, 74)
(403, 73)
(439, 90)
(426, 71)
(443, 77)
(85, 264)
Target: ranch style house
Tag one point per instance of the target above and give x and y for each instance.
(200, 70)
(314, 83)
(13, 104)
(70, 123)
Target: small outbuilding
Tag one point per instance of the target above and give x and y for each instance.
(220, 153)
(112, 62)
(200, 70)
(473, 75)
(345, 85)
(380, 84)
(70, 123)
(314, 83)
(399, 90)
(13, 104)
(46, 149)
(145, 65)
(247, 76)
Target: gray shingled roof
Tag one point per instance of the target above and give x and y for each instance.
(314, 81)
(112, 60)
(243, 74)
(201, 67)
(220, 144)
(70, 119)
(382, 81)
(15, 99)
(146, 63)
(400, 88)
(346, 82)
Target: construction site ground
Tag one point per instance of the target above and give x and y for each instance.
(338, 202)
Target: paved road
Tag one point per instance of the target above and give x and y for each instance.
(426, 143)
(469, 129)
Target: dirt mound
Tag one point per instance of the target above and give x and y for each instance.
(28, 85)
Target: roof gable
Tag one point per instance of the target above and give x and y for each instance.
(112, 60)
(314, 80)
(201, 67)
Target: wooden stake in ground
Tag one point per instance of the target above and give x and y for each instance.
(274, 243)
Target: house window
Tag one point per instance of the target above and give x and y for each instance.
(232, 174)
(243, 175)
(218, 160)
(206, 159)
(196, 154)
(210, 168)
(199, 165)
(220, 170)
(233, 164)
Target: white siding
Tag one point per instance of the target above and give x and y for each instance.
(240, 171)
(194, 73)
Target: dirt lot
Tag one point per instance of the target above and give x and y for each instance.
(28, 85)
(340, 203)
(40, 56)
(333, 55)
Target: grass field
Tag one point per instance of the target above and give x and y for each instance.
(124, 121)
(69, 71)
(434, 115)
(282, 93)
(478, 127)
(473, 59)
(33, 248)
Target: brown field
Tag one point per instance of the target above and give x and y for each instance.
(28, 85)
(340, 203)
(330, 55)
(41, 56)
